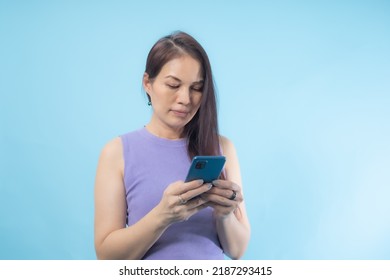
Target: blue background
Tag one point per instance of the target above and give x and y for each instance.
(304, 93)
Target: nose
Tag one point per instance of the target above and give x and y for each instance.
(183, 96)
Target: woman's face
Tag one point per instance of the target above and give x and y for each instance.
(175, 93)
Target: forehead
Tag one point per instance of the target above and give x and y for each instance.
(185, 68)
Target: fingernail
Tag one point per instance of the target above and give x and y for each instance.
(215, 182)
(200, 182)
(210, 186)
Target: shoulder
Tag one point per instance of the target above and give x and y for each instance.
(232, 166)
(115, 147)
(226, 145)
(112, 151)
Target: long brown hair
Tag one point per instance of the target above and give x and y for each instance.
(202, 131)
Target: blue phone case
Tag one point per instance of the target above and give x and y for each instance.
(207, 168)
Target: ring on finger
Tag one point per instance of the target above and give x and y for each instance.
(233, 196)
(181, 200)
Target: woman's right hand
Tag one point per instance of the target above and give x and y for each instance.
(181, 200)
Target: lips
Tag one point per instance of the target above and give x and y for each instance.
(180, 113)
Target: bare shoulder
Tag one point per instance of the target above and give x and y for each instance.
(113, 147)
(112, 152)
(227, 145)
(229, 151)
(232, 166)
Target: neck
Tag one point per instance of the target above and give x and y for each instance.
(164, 132)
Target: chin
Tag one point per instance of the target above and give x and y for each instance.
(179, 124)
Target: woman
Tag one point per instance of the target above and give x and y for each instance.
(143, 209)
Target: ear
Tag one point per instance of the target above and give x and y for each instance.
(147, 84)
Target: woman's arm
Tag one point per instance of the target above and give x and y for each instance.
(113, 240)
(231, 218)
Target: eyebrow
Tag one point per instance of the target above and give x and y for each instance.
(177, 79)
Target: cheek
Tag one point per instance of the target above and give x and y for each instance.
(196, 100)
(163, 97)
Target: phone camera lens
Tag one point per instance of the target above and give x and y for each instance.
(200, 165)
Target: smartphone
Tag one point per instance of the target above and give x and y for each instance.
(207, 168)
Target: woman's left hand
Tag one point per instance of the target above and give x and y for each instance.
(225, 197)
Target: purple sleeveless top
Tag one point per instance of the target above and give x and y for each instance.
(151, 164)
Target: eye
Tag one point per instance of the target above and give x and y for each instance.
(173, 86)
(197, 88)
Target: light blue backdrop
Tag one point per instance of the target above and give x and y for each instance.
(304, 93)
